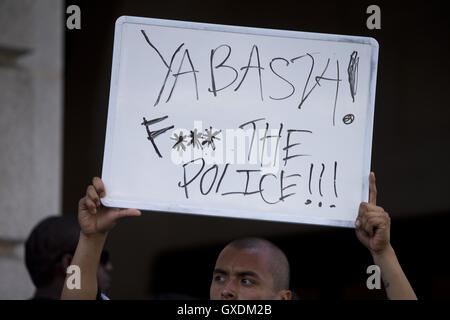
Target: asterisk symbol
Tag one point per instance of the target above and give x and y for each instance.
(180, 140)
(194, 139)
(209, 137)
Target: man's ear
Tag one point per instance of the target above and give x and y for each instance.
(66, 261)
(285, 295)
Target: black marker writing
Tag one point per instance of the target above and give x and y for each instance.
(169, 66)
(245, 192)
(261, 189)
(304, 97)
(253, 134)
(179, 73)
(249, 66)
(214, 90)
(288, 146)
(335, 166)
(337, 90)
(337, 86)
(194, 139)
(180, 141)
(209, 137)
(212, 183)
(348, 118)
(221, 177)
(186, 183)
(151, 135)
(320, 180)
(352, 71)
(282, 187)
(264, 143)
(310, 177)
(292, 86)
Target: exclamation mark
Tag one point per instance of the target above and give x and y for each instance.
(335, 166)
(320, 183)
(308, 201)
(334, 183)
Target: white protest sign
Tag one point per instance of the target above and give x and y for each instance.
(239, 122)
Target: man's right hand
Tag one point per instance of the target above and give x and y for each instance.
(94, 218)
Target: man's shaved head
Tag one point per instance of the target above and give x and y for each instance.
(279, 264)
(251, 269)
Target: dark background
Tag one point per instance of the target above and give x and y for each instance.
(162, 255)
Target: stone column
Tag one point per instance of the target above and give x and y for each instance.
(31, 129)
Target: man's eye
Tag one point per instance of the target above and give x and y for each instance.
(218, 278)
(247, 281)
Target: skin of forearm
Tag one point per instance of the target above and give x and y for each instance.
(87, 258)
(395, 282)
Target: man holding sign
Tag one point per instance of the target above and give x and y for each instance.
(247, 269)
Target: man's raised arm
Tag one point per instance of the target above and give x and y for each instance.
(373, 230)
(95, 221)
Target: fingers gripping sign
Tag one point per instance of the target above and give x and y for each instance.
(94, 218)
(373, 223)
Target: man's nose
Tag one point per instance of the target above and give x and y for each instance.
(228, 292)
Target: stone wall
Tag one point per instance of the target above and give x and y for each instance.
(31, 127)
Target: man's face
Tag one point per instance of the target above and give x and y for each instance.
(243, 274)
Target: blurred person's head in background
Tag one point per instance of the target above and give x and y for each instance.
(49, 250)
(104, 271)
